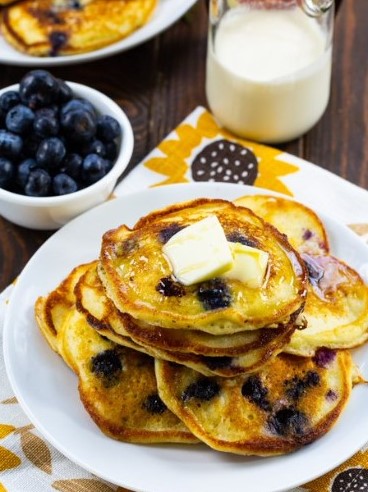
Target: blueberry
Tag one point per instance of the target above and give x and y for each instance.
(72, 165)
(108, 128)
(214, 363)
(50, 152)
(202, 389)
(8, 100)
(129, 245)
(62, 184)
(10, 144)
(169, 288)
(77, 103)
(256, 393)
(111, 150)
(297, 387)
(169, 231)
(65, 92)
(46, 123)
(78, 125)
(94, 147)
(38, 88)
(30, 145)
(324, 357)
(315, 270)
(109, 165)
(24, 170)
(154, 404)
(58, 40)
(6, 172)
(288, 421)
(93, 168)
(214, 294)
(38, 184)
(19, 119)
(106, 365)
(238, 237)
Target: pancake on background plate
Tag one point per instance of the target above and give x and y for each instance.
(63, 27)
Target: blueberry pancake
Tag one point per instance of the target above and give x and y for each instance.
(117, 387)
(101, 312)
(107, 373)
(245, 355)
(303, 227)
(336, 310)
(291, 402)
(52, 310)
(138, 279)
(68, 27)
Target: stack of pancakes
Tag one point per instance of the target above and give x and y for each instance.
(69, 27)
(253, 371)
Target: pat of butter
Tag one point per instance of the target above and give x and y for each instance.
(199, 252)
(250, 265)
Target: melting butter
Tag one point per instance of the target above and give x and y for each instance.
(249, 265)
(199, 252)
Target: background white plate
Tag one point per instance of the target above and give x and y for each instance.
(167, 12)
(47, 389)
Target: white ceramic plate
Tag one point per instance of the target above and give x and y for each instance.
(47, 389)
(167, 12)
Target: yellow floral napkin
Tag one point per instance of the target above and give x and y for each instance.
(197, 150)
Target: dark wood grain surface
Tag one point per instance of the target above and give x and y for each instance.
(160, 82)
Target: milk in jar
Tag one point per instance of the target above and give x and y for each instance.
(268, 73)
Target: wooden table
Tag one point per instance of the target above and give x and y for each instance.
(161, 81)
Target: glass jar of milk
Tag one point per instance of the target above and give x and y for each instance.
(269, 66)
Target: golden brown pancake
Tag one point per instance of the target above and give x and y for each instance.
(244, 355)
(52, 310)
(303, 227)
(117, 387)
(291, 402)
(336, 310)
(101, 312)
(50, 28)
(133, 269)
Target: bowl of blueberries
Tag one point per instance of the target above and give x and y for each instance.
(63, 146)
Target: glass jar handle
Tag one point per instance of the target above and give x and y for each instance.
(315, 8)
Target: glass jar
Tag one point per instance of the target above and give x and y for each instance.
(269, 66)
